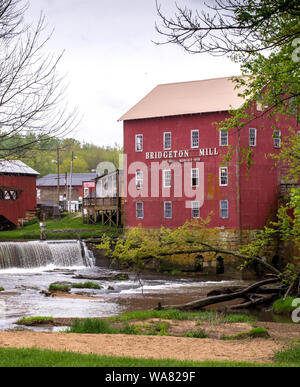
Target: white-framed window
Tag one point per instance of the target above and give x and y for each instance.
(168, 210)
(195, 210)
(140, 210)
(277, 138)
(139, 179)
(223, 176)
(224, 213)
(167, 140)
(252, 136)
(139, 143)
(195, 177)
(195, 138)
(223, 138)
(167, 178)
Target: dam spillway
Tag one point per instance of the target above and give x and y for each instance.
(36, 254)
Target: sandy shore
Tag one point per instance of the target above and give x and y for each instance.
(179, 348)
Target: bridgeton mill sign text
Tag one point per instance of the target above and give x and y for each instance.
(181, 153)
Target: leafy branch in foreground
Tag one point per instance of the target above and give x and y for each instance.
(140, 246)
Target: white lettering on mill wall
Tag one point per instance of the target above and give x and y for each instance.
(180, 154)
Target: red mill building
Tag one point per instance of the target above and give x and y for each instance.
(174, 159)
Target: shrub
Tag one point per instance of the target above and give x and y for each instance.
(176, 272)
(238, 318)
(198, 334)
(1, 289)
(169, 314)
(284, 306)
(35, 320)
(59, 288)
(254, 333)
(87, 285)
(91, 325)
(97, 326)
(289, 355)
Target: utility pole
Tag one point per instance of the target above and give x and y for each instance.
(71, 170)
(66, 200)
(58, 182)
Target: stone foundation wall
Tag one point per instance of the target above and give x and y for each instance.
(226, 239)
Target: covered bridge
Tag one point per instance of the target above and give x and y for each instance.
(17, 193)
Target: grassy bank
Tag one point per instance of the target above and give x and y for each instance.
(11, 357)
(158, 323)
(68, 227)
(286, 306)
(175, 314)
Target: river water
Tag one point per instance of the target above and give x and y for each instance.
(22, 296)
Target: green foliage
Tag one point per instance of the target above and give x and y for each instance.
(41, 153)
(62, 229)
(289, 155)
(170, 314)
(177, 315)
(32, 357)
(30, 321)
(141, 244)
(87, 285)
(238, 318)
(198, 334)
(290, 355)
(286, 228)
(254, 333)
(93, 326)
(98, 326)
(59, 288)
(1, 289)
(284, 306)
(209, 316)
(176, 272)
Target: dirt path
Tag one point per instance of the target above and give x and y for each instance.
(258, 350)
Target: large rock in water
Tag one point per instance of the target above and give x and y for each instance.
(112, 277)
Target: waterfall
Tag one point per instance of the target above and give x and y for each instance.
(43, 253)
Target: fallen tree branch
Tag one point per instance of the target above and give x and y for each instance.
(222, 298)
(210, 249)
(252, 303)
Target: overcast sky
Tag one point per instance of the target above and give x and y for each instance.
(111, 61)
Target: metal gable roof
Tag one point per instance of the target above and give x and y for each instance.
(16, 167)
(77, 179)
(210, 95)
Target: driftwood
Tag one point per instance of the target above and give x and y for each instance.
(257, 299)
(249, 294)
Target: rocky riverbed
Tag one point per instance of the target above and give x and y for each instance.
(24, 293)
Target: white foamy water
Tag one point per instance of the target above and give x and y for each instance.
(43, 254)
(171, 286)
(63, 261)
(37, 270)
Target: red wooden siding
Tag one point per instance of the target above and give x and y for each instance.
(252, 195)
(16, 209)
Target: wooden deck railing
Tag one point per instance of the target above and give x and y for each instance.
(101, 202)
